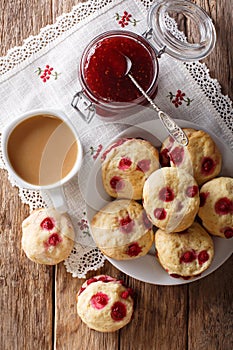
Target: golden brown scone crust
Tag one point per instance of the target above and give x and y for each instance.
(201, 157)
(47, 236)
(186, 254)
(122, 230)
(105, 305)
(171, 199)
(216, 208)
(126, 165)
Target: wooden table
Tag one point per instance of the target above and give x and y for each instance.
(38, 309)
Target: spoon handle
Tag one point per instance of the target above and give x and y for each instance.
(173, 129)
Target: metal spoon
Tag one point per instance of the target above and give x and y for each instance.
(173, 129)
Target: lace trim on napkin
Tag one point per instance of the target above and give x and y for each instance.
(84, 257)
(49, 33)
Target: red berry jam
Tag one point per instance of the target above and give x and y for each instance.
(166, 194)
(160, 213)
(106, 279)
(127, 293)
(99, 300)
(179, 206)
(164, 158)
(192, 191)
(91, 280)
(54, 239)
(177, 155)
(114, 145)
(203, 256)
(224, 206)
(47, 224)
(175, 275)
(188, 257)
(134, 249)
(124, 163)
(126, 224)
(118, 311)
(117, 183)
(104, 67)
(228, 232)
(146, 221)
(207, 166)
(143, 165)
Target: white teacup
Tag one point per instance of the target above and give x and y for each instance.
(42, 151)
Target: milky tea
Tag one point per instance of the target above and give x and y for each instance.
(42, 149)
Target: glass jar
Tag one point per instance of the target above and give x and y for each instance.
(103, 75)
(106, 90)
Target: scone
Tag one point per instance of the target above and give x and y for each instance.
(48, 236)
(201, 157)
(122, 230)
(171, 199)
(126, 165)
(105, 304)
(216, 206)
(185, 254)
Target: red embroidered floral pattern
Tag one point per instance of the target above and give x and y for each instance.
(47, 73)
(84, 227)
(95, 151)
(125, 19)
(179, 98)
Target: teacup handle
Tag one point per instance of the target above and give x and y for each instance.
(58, 198)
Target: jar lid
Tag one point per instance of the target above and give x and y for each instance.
(194, 44)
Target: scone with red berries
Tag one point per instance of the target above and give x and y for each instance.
(105, 304)
(216, 206)
(185, 254)
(201, 157)
(122, 230)
(126, 164)
(47, 236)
(171, 199)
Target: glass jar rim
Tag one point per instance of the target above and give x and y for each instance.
(171, 44)
(122, 33)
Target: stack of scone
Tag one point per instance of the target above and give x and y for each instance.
(121, 229)
(170, 199)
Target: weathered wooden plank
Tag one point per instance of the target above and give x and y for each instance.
(220, 61)
(164, 318)
(20, 19)
(70, 331)
(160, 318)
(211, 311)
(26, 288)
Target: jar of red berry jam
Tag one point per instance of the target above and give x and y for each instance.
(106, 89)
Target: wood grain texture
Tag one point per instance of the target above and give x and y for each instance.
(26, 288)
(220, 61)
(195, 316)
(211, 311)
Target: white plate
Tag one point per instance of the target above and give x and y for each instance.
(147, 268)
